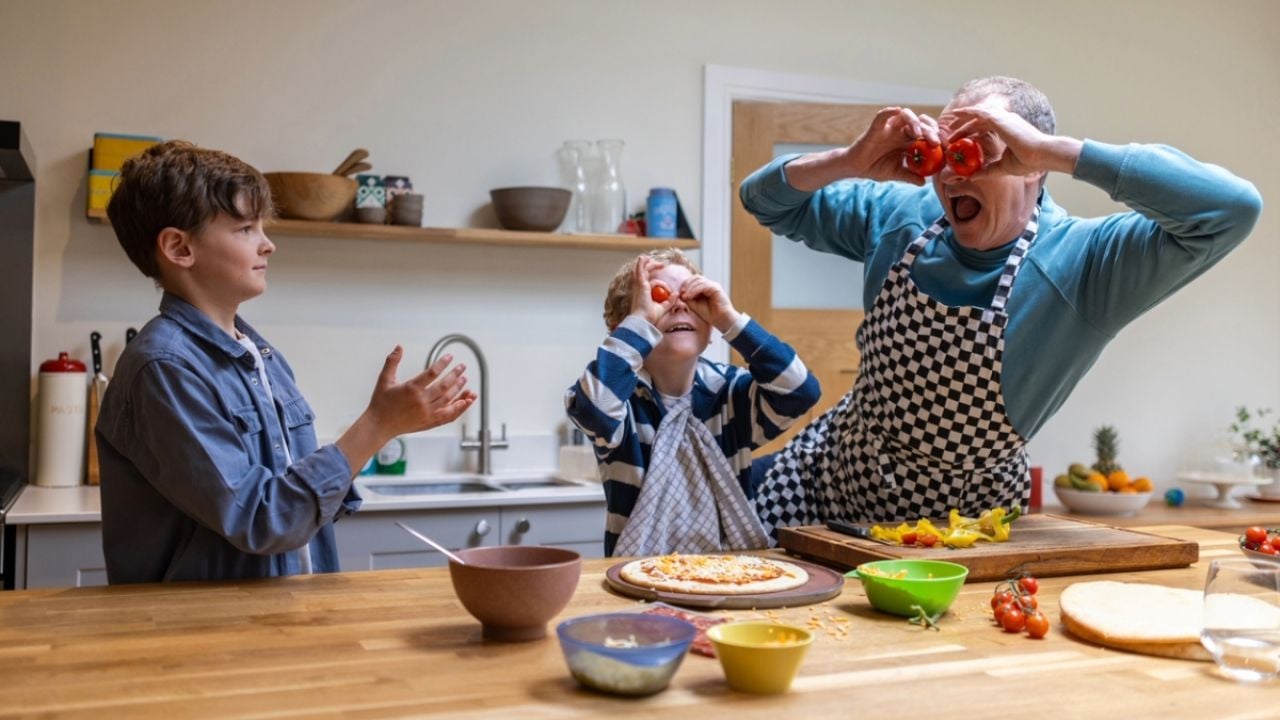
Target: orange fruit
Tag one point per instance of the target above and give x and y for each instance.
(1142, 484)
(1098, 479)
(1118, 480)
(1127, 490)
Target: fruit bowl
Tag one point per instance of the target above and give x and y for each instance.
(1102, 503)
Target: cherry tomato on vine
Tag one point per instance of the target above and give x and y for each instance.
(964, 156)
(1268, 549)
(1001, 598)
(924, 158)
(1028, 602)
(1256, 535)
(1013, 620)
(659, 293)
(1029, 585)
(1004, 609)
(1037, 625)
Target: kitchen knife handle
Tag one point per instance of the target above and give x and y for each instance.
(129, 335)
(845, 528)
(95, 347)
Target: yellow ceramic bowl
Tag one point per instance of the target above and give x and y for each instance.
(760, 657)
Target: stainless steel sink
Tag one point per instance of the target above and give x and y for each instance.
(534, 484)
(442, 488)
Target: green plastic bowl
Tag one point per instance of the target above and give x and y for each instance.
(931, 584)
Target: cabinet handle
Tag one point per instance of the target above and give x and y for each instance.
(523, 526)
(482, 528)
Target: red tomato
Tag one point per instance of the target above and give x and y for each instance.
(1002, 610)
(924, 158)
(964, 156)
(1268, 549)
(1001, 598)
(1029, 585)
(909, 538)
(1255, 534)
(1028, 602)
(927, 540)
(1037, 625)
(659, 293)
(1013, 620)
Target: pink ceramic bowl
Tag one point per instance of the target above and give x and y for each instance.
(513, 590)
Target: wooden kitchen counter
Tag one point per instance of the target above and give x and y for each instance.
(1195, 512)
(395, 643)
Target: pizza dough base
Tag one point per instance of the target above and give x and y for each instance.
(1141, 618)
(794, 576)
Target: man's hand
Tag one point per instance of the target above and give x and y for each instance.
(877, 154)
(1022, 148)
(708, 301)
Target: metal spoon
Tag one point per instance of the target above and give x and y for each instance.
(431, 542)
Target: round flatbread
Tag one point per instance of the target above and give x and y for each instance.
(1147, 619)
(714, 574)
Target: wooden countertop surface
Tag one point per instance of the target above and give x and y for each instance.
(397, 643)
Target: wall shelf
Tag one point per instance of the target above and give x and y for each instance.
(466, 236)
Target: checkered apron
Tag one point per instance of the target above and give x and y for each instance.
(924, 428)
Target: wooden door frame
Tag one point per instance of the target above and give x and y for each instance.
(722, 85)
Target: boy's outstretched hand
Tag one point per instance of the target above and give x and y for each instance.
(429, 399)
(708, 301)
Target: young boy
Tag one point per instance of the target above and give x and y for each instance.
(673, 432)
(210, 468)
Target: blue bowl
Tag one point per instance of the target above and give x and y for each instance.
(625, 653)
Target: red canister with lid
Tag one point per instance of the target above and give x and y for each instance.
(60, 418)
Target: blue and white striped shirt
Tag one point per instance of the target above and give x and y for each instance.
(616, 405)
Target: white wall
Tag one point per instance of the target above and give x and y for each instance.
(468, 96)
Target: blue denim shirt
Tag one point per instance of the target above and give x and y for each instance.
(194, 479)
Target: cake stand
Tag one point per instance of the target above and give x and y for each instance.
(1224, 483)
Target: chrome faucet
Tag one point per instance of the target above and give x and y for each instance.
(483, 440)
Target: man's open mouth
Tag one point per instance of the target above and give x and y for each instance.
(965, 207)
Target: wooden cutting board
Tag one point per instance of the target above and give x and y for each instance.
(1043, 545)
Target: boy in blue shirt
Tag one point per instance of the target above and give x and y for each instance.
(672, 431)
(209, 460)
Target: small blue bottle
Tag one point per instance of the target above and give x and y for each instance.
(660, 213)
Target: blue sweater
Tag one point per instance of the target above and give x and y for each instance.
(615, 404)
(1082, 280)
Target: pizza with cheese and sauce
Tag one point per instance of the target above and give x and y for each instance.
(714, 574)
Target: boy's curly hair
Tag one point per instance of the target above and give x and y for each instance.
(617, 303)
(176, 184)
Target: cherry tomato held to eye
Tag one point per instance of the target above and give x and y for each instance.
(964, 156)
(924, 158)
(659, 293)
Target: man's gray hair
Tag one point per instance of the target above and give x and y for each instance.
(1024, 99)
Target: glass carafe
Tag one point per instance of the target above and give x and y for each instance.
(609, 204)
(574, 156)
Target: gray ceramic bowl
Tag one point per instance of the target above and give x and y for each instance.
(537, 209)
(513, 590)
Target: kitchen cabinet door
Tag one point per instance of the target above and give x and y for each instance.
(371, 540)
(577, 527)
(60, 555)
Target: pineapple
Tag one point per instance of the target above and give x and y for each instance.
(1106, 444)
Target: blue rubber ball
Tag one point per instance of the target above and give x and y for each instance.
(1174, 497)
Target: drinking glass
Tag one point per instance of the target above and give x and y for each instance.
(1242, 618)
(574, 157)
